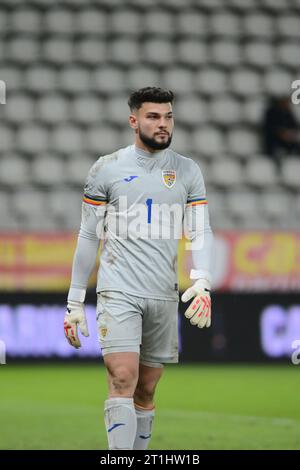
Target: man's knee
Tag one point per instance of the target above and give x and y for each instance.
(122, 371)
(144, 394)
(123, 378)
(145, 389)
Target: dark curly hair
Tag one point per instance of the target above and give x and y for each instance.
(149, 94)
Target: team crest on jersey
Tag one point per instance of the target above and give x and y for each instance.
(169, 177)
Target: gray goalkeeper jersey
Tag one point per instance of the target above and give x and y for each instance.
(141, 200)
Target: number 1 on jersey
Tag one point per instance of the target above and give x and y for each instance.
(149, 204)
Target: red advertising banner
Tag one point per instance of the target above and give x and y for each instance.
(250, 261)
(258, 261)
(36, 261)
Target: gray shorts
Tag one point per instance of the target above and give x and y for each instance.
(127, 323)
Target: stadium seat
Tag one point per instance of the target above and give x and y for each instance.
(58, 20)
(225, 24)
(157, 22)
(58, 51)
(226, 174)
(19, 108)
(190, 52)
(90, 51)
(126, 22)
(212, 5)
(211, 81)
(191, 23)
(22, 49)
(220, 217)
(245, 210)
(14, 170)
(142, 75)
(108, 80)
(117, 110)
(30, 208)
(91, 21)
(62, 202)
(261, 172)
(275, 206)
(12, 75)
(225, 110)
(253, 109)
(126, 137)
(259, 54)
(181, 141)
(77, 168)
(67, 139)
(245, 82)
(275, 6)
(52, 108)
(48, 170)
(226, 53)
(178, 79)
(87, 109)
(288, 26)
(124, 52)
(242, 142)
(74, 79)
(288, 54)
(277, 81)
(209, 140)
(159, 52)
(33, 138)
(190, 110)
(102, 140)
(258, 25)
(40, 79)
(25, 19)
(290, 172)
(242, 6)
(7, 138)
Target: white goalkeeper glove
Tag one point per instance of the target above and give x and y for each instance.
(74, 317)
(199, 312)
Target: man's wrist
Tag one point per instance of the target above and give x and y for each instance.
(76, 295)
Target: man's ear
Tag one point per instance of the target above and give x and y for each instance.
(133, 122)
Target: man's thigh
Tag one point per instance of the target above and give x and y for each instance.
(119, 321)
(160, 333)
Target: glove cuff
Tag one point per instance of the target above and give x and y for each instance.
(72, 304)
(200, 274)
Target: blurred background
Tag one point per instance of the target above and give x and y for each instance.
(68, 68)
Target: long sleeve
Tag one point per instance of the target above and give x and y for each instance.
(197, 227)
(90, 234)
(86, 251)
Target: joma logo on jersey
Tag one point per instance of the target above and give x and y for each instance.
(169, 177)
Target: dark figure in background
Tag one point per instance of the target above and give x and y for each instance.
(280, 129)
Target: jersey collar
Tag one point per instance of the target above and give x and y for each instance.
(148, 160)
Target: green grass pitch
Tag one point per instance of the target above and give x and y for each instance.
(198, 407)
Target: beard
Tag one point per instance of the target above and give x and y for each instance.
(152, 143)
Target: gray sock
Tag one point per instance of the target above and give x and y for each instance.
(144, 427)
(120, 420)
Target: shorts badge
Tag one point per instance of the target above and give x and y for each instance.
(103, 331)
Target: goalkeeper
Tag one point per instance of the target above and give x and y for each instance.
(137, 290)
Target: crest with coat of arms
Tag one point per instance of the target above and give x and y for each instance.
(169, 177)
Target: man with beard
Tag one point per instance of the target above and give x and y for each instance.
(140, 199)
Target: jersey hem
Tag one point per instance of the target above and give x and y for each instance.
(140, 294)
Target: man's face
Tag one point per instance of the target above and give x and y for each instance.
(154, 123)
